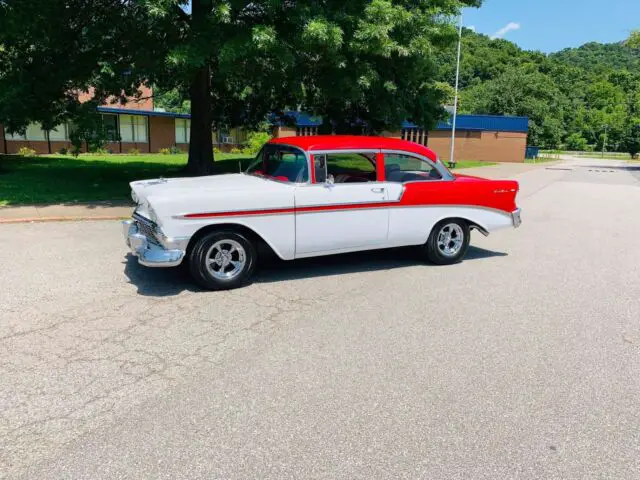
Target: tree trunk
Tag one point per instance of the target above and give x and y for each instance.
(200, 142)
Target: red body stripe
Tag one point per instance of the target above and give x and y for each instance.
(465, 191)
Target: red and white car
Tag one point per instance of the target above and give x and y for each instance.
(311, 196)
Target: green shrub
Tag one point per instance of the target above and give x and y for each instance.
(236, 150)
(100, 151)
(63, 151)
(576, 142)
(255, 141)
(75, 151)
(133, 151)
(174, 150)
(216, 150)
(164, 151)
(26, 152)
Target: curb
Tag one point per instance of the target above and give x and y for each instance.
(60, 219)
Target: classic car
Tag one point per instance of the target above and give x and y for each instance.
(315, 195)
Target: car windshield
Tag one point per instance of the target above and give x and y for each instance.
(280, 162)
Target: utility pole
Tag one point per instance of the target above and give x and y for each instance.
(604, 143)
(452, 161)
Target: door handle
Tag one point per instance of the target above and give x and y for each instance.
(377, 190)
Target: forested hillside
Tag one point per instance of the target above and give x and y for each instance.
(574, 98)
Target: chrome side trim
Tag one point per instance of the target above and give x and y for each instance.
(299, 210)
(345, 150)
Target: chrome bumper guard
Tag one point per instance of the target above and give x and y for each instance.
(516, 218)
(149, 253)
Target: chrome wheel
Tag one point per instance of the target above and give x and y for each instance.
(450, 239)
(226, 259)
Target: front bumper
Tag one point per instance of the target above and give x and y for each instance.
(516, 218)
(148, 251)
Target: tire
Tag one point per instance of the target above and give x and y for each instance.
(442, 252)
(222, 260)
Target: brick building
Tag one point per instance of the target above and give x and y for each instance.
(136, 125)
(487, 138)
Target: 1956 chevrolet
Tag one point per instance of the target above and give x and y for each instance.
(311, 196)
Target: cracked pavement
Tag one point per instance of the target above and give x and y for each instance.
(521, 362)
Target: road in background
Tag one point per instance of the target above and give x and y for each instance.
(521, 362)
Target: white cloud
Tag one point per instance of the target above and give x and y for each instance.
(506, 29)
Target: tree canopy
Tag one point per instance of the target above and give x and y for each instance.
(362, 62)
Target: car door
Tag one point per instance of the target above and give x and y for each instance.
(416, 185)
(344, 208)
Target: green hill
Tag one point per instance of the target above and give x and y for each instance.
(571, 97)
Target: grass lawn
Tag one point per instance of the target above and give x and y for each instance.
(470, 164)
(62, 178)
(66, 179)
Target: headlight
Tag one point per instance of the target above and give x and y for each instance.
(134, 197)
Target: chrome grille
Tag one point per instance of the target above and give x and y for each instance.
(146, 228)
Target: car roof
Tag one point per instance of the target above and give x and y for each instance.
(353, 142)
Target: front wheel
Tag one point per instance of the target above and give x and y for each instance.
(448, 242)
(222, 260)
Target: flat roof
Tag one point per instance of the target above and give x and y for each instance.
(493, 123)
(151, 113)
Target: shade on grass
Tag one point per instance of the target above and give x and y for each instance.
(65, 179)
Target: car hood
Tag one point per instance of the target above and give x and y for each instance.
(188, 186)
(160, 198)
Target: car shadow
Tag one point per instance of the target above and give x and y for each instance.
(166, 282)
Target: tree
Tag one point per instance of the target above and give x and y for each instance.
(522, 91)
(576, 142)
(634, 39)
(362, 62)
(631, 139)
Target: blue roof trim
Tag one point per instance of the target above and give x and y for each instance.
(301, 119)
(493, 123)
(152, 113)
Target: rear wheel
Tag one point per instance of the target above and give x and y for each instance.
(222, 260)
(448, 242)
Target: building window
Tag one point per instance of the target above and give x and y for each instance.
(35, 133)
(183, 130)
(110, 126)
(306, 131)
(133, 128)
(13, 136)
(59, 133)
(416, 135)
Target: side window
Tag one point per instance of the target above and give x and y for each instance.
(287, 164)
(346, 167)
(406, 168)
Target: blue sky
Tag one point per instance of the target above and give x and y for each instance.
(551, 25)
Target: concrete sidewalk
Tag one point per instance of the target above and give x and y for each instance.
(117, 210)
(66, 211)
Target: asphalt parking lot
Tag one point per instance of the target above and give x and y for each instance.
(521, 362)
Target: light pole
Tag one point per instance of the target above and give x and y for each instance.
(452, 161)
(604, 140)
